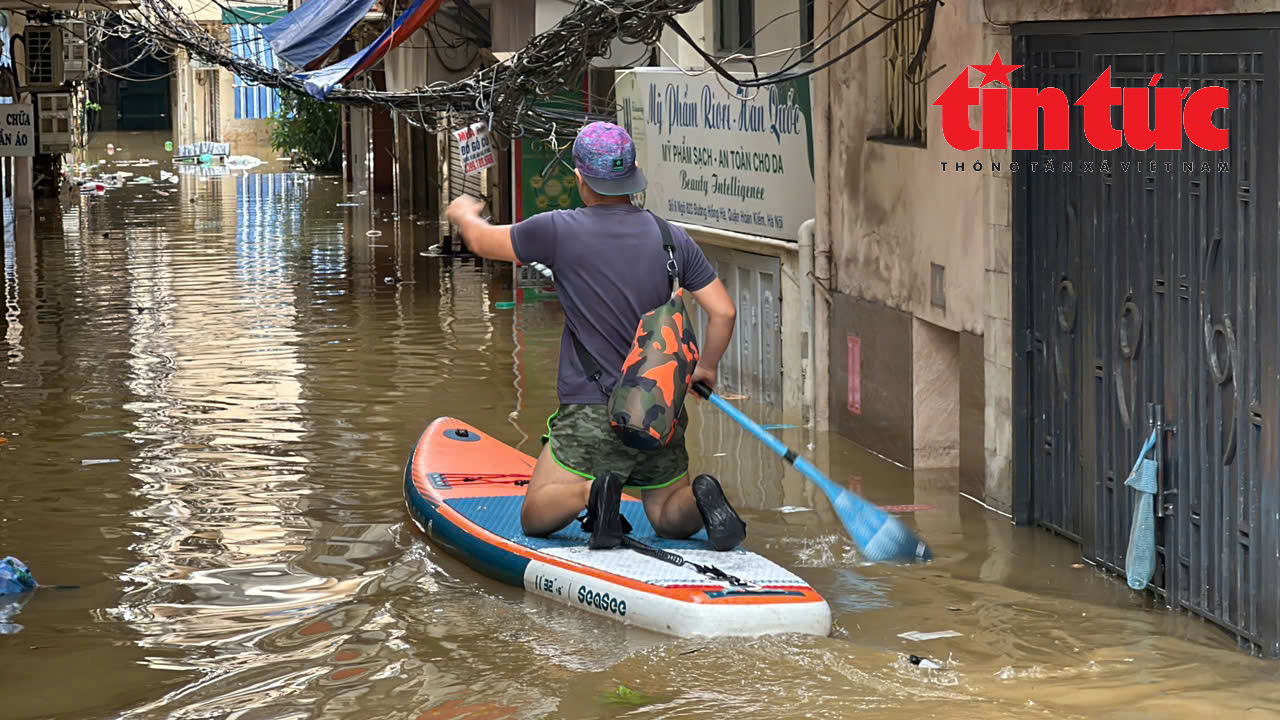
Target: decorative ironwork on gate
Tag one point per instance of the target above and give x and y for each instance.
(1148, 299)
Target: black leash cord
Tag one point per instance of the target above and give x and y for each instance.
(678, 561)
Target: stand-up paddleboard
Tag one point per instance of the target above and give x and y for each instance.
(464, 489)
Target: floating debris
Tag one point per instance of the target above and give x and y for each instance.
(925, 663)
(922, 636)
(243, 162)
(624, 695)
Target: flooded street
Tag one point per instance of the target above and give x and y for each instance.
(210, 389)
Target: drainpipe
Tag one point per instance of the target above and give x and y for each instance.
(806, 312)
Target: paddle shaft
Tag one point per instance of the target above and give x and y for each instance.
(796, 461)
(878, 535)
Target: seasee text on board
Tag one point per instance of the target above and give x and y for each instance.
(738, 159)
(17, 131)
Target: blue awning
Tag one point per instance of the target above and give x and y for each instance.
(320, 83)
(307, 34)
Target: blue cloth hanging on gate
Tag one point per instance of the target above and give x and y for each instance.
(1140, 559)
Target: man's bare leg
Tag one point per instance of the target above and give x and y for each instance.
(672, 510)
(674, 513)
(555, 497)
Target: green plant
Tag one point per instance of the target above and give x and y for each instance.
(307, 129)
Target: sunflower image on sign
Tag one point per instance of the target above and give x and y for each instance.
(556, 189)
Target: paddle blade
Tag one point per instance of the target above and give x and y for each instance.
(880, 536)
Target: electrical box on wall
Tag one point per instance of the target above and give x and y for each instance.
(200, 65)
(44, 57)
(54, 113)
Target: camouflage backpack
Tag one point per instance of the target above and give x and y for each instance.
(646, 402)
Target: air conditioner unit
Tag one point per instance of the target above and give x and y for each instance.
(75, 46)
(54, 113)
(44, 57)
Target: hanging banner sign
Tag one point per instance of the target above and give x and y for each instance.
(17, 131)
(738, 159)
(474, 148)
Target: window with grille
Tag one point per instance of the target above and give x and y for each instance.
(735, 26)
(806, 27)
(253, 102)
(906, 102)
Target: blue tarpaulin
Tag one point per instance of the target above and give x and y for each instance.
(306, 35)
(321, 82)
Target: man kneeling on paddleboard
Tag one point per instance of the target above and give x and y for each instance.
(617, 269)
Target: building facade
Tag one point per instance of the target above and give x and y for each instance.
(1035, 316)
(211, 103)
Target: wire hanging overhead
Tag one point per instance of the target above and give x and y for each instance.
(504, 95)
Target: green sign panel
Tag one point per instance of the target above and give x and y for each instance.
(558, 189)
(251, 15)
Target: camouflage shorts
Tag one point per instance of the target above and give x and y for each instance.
(583, 443)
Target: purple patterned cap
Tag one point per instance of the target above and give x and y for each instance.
(606, 157)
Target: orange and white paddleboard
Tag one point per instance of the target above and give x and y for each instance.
(464, 489)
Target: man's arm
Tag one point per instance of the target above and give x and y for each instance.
(721, 315)
(483, 239)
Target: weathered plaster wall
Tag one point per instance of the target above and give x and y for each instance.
(891, 212)
(894, 210)
(699, 23)
(1004, 12)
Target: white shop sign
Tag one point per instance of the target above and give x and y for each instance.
(474, 148)
(17, 131)
(721, 156)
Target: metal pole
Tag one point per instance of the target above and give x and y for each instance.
(807, 313)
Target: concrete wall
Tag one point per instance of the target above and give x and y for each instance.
(194, 116)
(1004, 12)
(700, 24)
(890, 212)
(893, 218)
(885, 243)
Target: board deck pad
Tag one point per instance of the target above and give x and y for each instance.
(501, 516)
(465, 490)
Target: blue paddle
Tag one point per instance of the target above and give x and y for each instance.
(880, 536)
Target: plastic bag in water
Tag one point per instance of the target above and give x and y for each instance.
(15, 584)
(15, 577)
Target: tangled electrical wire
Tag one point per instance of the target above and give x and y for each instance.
(505, 96)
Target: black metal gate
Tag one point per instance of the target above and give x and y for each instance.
(1146, 289)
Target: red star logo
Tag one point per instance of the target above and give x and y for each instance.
(997, 71)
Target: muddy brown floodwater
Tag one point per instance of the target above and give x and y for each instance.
(207, 394)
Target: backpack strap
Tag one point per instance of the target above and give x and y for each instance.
(588, 363)
(668, 244)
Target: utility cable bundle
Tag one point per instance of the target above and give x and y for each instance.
(505, 96)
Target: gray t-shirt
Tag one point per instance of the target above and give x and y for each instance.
(610, 269)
